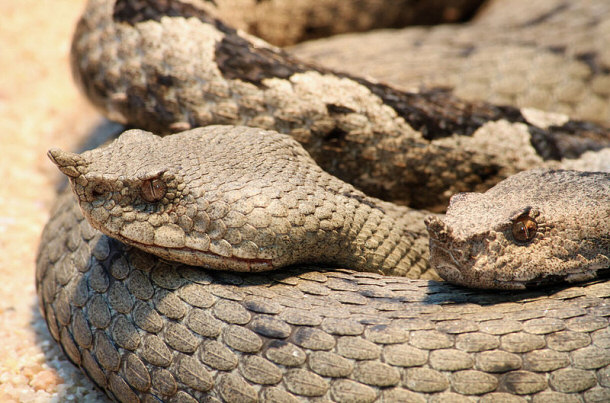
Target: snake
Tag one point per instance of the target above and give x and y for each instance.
(131, 309)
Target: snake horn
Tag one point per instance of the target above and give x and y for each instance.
(437, 228)
(69, 163)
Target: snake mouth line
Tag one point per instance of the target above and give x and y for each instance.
(434, 244)
(568, 278)
(198, 258)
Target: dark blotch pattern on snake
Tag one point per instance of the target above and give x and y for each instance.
(144, 328)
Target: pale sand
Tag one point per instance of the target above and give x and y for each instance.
(40, 107)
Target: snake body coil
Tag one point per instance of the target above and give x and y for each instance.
(144, 328)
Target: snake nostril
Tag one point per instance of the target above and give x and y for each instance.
(100, 191)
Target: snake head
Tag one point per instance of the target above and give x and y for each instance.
(221, 197)
(134, 191)
(536, 227)
(122, 187)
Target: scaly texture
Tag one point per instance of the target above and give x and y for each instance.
(144, 328)
(242, 199)
(135, 61)
(532, 228)
(548, 54)
(283, 23)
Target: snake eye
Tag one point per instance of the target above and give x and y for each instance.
(153, 190)
(524, 229)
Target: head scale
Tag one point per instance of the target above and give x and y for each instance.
(534, 228)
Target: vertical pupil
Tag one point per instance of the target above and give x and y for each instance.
(153, 190)
(524, 229)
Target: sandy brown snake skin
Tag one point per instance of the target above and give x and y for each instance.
(149, 329)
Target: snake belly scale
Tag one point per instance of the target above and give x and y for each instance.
(150, 329)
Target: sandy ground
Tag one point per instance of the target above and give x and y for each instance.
(39, 107)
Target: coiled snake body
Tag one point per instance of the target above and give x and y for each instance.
(144, 328)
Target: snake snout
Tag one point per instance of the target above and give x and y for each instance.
(438, 229)
(67, 162)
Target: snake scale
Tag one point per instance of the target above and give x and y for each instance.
(144, 328)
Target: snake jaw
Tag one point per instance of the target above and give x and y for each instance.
(200, 258)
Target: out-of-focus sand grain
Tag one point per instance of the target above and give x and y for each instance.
(39, 107)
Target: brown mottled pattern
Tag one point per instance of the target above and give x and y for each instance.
(241, 199)
(285, 23)
(150, 79)
(514, 53)
(482, 241)
(143, 328)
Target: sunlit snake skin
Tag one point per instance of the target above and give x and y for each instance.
(137, 65)
(513, 53)
(146, 329)
(285, 23)
(143, 329)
